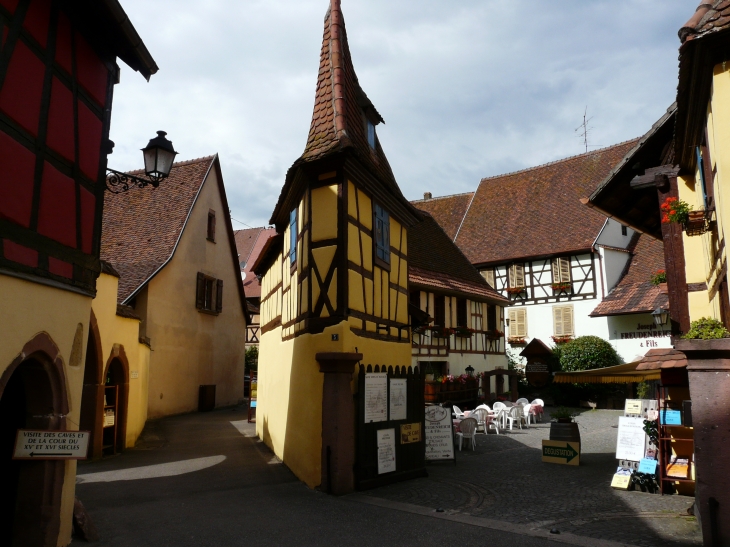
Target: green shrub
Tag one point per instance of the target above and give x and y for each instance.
(587, 353)
(706, 329)
(252, 358)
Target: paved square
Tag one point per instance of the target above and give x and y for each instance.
(505, 479)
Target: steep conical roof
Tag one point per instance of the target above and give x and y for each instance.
(341, 111)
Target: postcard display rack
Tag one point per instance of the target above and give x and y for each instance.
(634, 449)
(676, 440)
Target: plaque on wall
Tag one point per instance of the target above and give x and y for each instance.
(537, 372)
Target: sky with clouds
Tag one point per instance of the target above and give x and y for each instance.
(468, 89)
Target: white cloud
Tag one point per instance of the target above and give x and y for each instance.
(468, 90)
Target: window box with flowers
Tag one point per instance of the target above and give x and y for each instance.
(447, 383)
(494, 334)
(441, 332)
(561, 339)
(563, 286)
(463, 332)
(517, 340)
(514, 291)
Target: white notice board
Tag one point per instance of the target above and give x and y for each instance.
(439, 434)
(398, 398)
(51, 445)
(631, 441)
(376, 397)
(386, 451)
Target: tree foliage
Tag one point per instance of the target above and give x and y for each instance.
(587, 353)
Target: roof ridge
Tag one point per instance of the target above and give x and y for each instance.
(442, 197)
(554, 162)
(180, 163)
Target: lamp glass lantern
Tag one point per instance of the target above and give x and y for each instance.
(661, 317)
(158, 158)
(470, 370)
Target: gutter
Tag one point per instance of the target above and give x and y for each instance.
(148, 65)
(182, 231)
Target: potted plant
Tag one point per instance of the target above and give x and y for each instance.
(517, 340)
(561, 339)
(706, 328)
(447, 383)
(464, 332)
(441, 332)
(562, 286)
(562, 426)
(432, 389)
(659, 277)
(429, 374)
(515, 291)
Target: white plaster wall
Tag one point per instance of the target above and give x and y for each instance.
(611, 235)
(631, 341)
(614, 263)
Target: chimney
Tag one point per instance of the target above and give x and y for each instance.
(427, 195)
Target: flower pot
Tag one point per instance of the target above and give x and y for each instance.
(429, 377)
(431, 391)
(663, 288)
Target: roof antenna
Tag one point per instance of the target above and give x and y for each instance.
(584, 128)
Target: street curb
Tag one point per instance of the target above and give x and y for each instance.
(453, 516)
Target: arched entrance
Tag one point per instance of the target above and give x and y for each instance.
(92, 398)
(115, 401)
(32, 396)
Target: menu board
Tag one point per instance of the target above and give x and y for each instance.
(376, 397)
(386, 451)
(398, 394)
(439, 434)
(631, 440)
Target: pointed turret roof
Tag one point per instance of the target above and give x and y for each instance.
(341, 112)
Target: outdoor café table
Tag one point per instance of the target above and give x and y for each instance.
(536, 410)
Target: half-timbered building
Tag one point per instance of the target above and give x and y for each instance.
(534, 242)
(58, 69)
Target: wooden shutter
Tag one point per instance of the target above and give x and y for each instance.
(517, 275)
(200, 292)
(556, 270)
(563, 320)
(565, 270)
(219, 295)
(488, 276)
(518, 322)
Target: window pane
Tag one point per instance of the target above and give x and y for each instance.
(293, 236)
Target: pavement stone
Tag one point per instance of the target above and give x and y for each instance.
(505, 479)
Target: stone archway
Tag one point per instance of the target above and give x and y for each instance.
(116, 373)
(92, 398)
(33, 395)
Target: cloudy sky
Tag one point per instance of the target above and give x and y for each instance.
(468, 89)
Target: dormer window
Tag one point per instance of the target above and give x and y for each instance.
(371, 134)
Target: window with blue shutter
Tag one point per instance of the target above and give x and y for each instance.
(382, 234)
(293, 236)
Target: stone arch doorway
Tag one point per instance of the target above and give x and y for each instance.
(32, 396)
(92, 398)
(116, 398)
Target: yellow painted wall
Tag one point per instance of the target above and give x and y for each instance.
(289, 405)
(27, 309)
(191, 348)
(122, 331)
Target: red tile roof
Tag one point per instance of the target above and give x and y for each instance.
(537, 211)
(708, 18)
(436, 263)
(659, 358)
(341, 109)
(634, 293)
(448, 211)
(250, 244)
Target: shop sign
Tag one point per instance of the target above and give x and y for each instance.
(410, 433)
(621, 479)
(564, 452)
(386, 450)
(439, 434)
(51, 445)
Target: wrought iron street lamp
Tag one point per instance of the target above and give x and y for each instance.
(661, 317)
(470, 370)
(158, 158)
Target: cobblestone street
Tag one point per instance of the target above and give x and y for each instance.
(505, 480)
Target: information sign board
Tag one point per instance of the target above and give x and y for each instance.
(633, 406)
(51, 445)
(647, 465)
(376, 397)
(670, 417)
(410, 433)
(631, 441)
(621, 481)
(386, 451)
(564, 452)
(398, 395)
(439, 434)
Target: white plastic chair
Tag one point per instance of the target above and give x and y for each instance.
(500, 410)
(538, 416)
(468, 430)
(528, 415)
(515, 414)
(480, 415)
(521, 401)
(457, 412)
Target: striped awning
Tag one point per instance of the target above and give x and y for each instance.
(619, 374)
